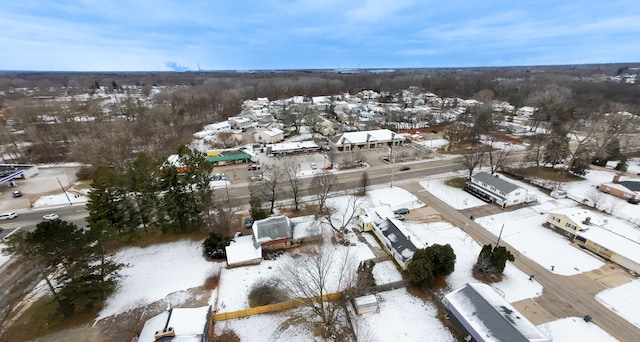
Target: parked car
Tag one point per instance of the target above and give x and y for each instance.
(398, 217)
(8, 216)
(313, 166)
(17, 193)
(50, 217)
(253, 167)
(404, 168)
(248, 222)
(401, 211)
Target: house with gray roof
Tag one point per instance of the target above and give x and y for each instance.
(493, 188)
(484, 315)
(274, 232)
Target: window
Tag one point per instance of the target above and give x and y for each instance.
(555, 218)
(570, 226)
(627, 194)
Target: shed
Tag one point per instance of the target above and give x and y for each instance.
(366, 304)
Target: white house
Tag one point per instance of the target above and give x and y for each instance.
(239, 122)
(218, 127)
(525, 111)
(243, 251)
(270, 136)
(493, 188)
(393, 237)
(484, 315)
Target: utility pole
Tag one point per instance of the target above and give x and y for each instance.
(64, 191)
(499, 235)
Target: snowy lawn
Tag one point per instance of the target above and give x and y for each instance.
(386, 272)
(402, 317)
(523, 230)
(514, 286)
(575, 329)
(455, 197)
(156, 272)
(620, 301)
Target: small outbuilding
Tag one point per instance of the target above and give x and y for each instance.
(178, 324)
(366, 304)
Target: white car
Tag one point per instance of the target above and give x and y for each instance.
(313, 166)
(50, 217)
(8, 216)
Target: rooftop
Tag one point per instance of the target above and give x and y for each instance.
(497, 182)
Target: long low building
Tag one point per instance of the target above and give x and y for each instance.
(378, 138)
(484, 315)
(609, 238)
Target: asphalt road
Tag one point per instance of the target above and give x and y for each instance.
(563, 296)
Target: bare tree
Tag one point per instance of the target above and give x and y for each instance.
(322, 185)
(536, 149)
(319, 271)
(268, 187)
(291, 170)
(472, 160)
(497, 158)
(338, 219)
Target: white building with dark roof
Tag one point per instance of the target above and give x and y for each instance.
(492, 188)
(486, 316)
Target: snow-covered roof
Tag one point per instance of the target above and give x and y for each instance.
(398, 237)
(273, 132)
(272, 228)
(611, 233)
(494, 180)
(490, 316)
(217, 126)
(378, 135)
(243, 249)
(188, 324)
(293, 146)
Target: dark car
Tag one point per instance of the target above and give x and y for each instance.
(248, 222)
(401, 211)
(404, 168)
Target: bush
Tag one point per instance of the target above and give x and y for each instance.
(214, 246)
(266, 292)
(85, 173)
(431, 262)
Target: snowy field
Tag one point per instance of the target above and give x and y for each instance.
(60, 200)
(386, 272)
(434, 144)
(633, 165)
(456, 198)
(158, 272)
(621, 302)
(515, 285)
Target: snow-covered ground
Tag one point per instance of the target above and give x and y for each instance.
(575, 329)
(173, 268)
(59, 200)
(623, 300)
(633, 165)
(452, 196)
(158, 272)
(434, 144)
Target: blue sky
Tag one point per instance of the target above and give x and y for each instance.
(161, 35)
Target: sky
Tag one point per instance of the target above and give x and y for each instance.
(165, 35)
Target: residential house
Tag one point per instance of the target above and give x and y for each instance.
(274, 232)
(628, 190)
(179, 324)
(270, 136)
(239, 122)
(368, 140)
(484, 315)
(609, 238)
(393, 237)
(493, 188)
(223, 126)
(525, 111)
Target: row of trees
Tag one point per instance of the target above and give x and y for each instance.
(175, 197)
(74, 262)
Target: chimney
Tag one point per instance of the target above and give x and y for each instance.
(587, 221)
(616, 178)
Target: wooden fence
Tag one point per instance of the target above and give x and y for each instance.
(268, 308)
